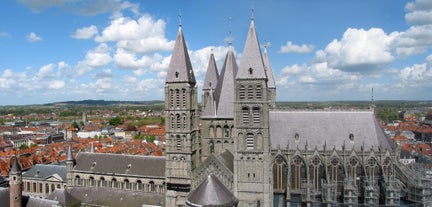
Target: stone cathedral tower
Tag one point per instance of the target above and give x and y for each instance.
(252, 177)
(182, 132)
(15, 183)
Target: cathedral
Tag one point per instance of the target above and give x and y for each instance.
(262, 155)
(237, 149)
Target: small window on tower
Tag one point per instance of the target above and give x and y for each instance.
(250, 71)
(176, 74)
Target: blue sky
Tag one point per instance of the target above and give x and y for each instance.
(61, 50)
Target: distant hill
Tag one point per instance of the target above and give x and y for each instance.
(107, 103)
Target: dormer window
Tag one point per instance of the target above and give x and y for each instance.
(176, 74)
(296, 136)
(93, 165)
(351, 136)
(250, 71)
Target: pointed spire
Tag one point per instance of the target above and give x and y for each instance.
(224, 93)
(92, 148)
(251, 64)
(16, 167)
(69, 156)
(212, 192)
(269, 70)
(180, 67)
(212, 74)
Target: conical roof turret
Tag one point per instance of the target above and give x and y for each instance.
(16, 167)
(69, 156)
(269, 70)
(225, 88)
(212, 74)
(251, 63)
(180, 67)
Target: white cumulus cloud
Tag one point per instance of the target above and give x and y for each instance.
(293, 48)
(85, 32)
(33, 37)
(56, 84)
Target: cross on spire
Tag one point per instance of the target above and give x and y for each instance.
(252, 10)
(180, 18)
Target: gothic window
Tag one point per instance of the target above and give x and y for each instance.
(256, 115)
(250, 92)
(250, 141)
(245, 115)
(184, 97)
(258, 92)
(178, 141)
(298, 173)
(226, 131)
(177, 93)
(316, 172)
(280, 170)
(242, 92)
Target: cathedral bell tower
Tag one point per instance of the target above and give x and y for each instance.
(182, 135)
(15, 184)
(252, 177)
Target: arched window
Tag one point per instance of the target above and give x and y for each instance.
(139, 185)
(245, 115)
(152, 187)
(242, 92)
(177, 93)
(77, 180)
(91, 181)
(280, 170)
(178, 121)
(184, 121)
(103, 182)
(256, 115)
(114, 183)
(250, 92)
(127, 184)
(172, 121)
(184, 97)
(171, 101)
(258, 92)
(226, 131)
(178, 141)
(250, 141)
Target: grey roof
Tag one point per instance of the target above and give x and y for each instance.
(43, 172)
(115, 197)
(269, 70)
(329, 128)
(212, 192)
(251, 58)
(227, 158)
(26, 200)
(16, 168)
(69, 155)
(225, 88)
(134, 165)
(212, 75)
(180, 67)
(64, 198)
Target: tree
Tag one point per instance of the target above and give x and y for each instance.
(115, 121)
(150, 138)
(429, 115)
(75, 125)
(23, 146)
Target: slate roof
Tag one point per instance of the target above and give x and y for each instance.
(225, 88)
(269, 70)
(114, 197)
(63, 197)
(26, 200)
(212, 75)
(227, 158)
(330, 128)
(212, 193)
(16, 168)
(134, 165)
(180, 67)
(41, 171)
(209, 110)
(251, 57)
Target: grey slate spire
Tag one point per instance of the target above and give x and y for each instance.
(210, 107)
(16, 168)
(225, 88)
(69, 156)
(180, 67)
(212, 75)
(251, 64)
(269, 70)
(212, 192)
